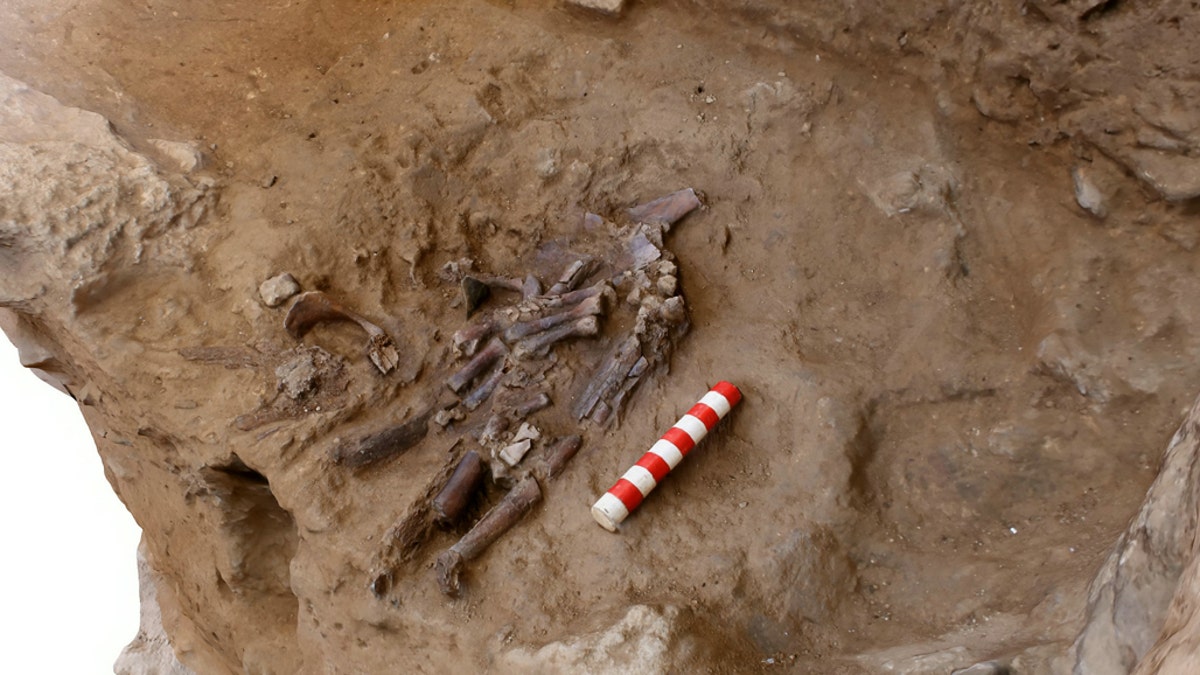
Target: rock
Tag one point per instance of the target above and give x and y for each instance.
(277, 289)
(641, 642)
(1129, 598)
(177, 156)
(1087, 194)
(984, 668)
(609, 7)
(299, 377)
(150, 651)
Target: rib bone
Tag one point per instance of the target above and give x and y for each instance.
(668, 209)
(316, 307)
(379, 446)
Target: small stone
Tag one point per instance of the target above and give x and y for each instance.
(1087, 194)
(514, 453)
(609, 7)
(667, 285)
(444, 417)
(269, 181)
(277, 289)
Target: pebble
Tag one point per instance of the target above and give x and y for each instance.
(1087, 194)
(514, 453)
(277, 289)
(610, 7)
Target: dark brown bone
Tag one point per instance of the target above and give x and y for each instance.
(557, 456)
(316, 307)
(668, 209)
(531, 405)
(479, 363)
(611, 373)
(485, 389)
(374, 448)
(453, 500)
(589, 307)
(568, 299)
(466, 340)
(494, 523)
(538, 345)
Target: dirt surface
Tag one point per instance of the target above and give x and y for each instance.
(957, 381)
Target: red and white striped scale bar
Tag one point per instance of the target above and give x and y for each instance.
(616, 504)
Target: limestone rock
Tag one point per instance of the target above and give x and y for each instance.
(1130, 596)
(276, 290)
(149, 653)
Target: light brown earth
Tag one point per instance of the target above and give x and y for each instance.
(958, 382)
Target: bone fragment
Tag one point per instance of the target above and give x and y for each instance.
(475, 293)
(539, 344)
(453, 500)
(466, 340)
(667, 210)
(557, 456)
(609, 376)
(531, 405)
(374, 448)
(496, 425)
(531, 287)
(592, 306)
(513, 453)
(316, 307)
(494, 523)
(526, 431)
(485, 389)
(574, 275)
(574, 297)
(494, 350)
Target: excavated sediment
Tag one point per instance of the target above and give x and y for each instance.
(947, 251)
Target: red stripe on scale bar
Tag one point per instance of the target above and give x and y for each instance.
(705, 414)
(680, 439)
(628, 493)
(655, 465)
(730, 392)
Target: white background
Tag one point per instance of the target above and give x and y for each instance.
(69, 602)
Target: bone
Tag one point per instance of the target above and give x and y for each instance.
(557, 456)
(496, 425)
(611, 373)
(491, 527)
(374, 448)
(466, 340)
(485, 389)
(574, 297)
(464, 483)
(531, 287)
(513, 453)
(316, 307)
(494, 350)
(475, 293)
(539, 344)
(574, 275)
(531, 405)
(591, 306)
(668, 210)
